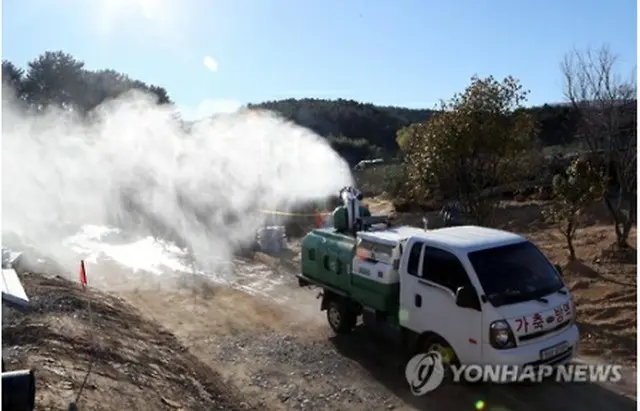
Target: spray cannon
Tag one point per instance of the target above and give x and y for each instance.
(351, 199)
(352, 216)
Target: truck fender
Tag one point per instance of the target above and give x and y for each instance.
(327, 297)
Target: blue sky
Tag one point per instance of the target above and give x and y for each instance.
(404, 52)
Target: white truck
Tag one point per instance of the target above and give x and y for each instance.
(474, 294)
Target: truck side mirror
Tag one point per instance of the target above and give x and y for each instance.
(466, 297)
(559, 268)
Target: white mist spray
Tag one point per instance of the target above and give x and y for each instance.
(132, 166)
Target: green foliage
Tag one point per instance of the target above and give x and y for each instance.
(12, 75)
(384, 127)
(350, 120)
(356, 130)
(394, 181)
(581, 185)
(404, 135)
(474, 143)
(58, 79)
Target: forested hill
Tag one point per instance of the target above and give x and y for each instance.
(356, 130)
(360, 130)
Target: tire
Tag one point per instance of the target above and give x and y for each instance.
(437, 343)
(341, 319)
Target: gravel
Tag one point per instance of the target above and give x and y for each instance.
(306, 374)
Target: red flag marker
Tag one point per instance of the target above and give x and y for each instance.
(83, 275)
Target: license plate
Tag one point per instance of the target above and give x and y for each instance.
(554, 350)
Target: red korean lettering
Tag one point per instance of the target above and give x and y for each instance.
(559, 314)
(522, 324)
(537, 322)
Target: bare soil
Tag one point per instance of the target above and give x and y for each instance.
(290, 360)
(135, 363)
(198, 346)
(603, 285)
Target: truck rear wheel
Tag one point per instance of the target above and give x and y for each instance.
(341, 319)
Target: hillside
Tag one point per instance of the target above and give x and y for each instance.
(354, 120)
(136, 364)
(360, 130)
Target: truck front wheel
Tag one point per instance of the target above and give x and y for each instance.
(341, 319)
(438, 344)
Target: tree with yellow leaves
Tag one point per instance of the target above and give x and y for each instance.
(473, 144)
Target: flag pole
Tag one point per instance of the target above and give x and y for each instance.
(83, 282)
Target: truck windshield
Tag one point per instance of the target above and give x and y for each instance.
(514, 273)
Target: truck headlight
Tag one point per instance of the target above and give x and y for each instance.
(501, 336)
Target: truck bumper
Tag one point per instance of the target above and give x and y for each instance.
(530, 354)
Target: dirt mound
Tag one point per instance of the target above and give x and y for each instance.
(135, 363)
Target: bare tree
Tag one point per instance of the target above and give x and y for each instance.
(607, 104)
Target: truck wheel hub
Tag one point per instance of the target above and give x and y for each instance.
(445, 352)
(334, 316)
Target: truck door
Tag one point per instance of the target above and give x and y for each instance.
(428, 279)
(442, 273)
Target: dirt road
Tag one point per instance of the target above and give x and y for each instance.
(207, 346)
(284, 355)
(257, 340)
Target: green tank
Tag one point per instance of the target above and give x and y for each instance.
(328, 257)
(340, 217)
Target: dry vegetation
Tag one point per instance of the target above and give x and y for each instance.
(136, 364)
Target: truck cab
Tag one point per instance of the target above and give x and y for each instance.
(485, 296)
